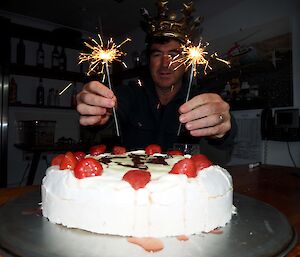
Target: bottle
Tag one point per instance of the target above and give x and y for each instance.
(40, 56)
(57, 98)
(73, 96)
(12, 92)
(21, 52)
(62, 60)
(55, 58)
(50, 97)
(40, 93)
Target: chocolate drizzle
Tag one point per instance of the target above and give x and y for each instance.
(105, 160)
(139, 160)
(158, 160)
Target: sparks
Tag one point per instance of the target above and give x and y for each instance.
(139, 82)
(193, 56)
(101, 55)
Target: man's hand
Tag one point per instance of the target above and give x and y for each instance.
(94, 104)
(206, 115)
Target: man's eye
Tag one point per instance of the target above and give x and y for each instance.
(156, 54)
(173, 54)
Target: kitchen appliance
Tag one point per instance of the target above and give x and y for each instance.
(36, 132)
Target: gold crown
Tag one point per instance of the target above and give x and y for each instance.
(167, 23)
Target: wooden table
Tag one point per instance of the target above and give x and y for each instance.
(279, 186)
(276, 185)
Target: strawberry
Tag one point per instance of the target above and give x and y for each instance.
(68, 162)
(56, 160)
(137, 178)
(79, 155)
(201, 161)
(152, 149)
(185, 166)
(175, 152)
(118, 150)
(97, 149)
(88, 167)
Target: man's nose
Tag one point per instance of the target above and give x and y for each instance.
(166, 59)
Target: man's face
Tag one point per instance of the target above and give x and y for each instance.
(163, 74)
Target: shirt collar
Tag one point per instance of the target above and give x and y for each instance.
(150, 89)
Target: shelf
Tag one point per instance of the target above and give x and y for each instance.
(17, 105)
(268, 86)
(62, 36)
(57, 147)
(235, 71)
(34, 71)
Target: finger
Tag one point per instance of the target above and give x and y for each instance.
(198, 113)
(199, 100)
(84, 109)
(213, 108)
(93, 120)
(214, 131)
(205, 122)
(88, 98)
(98, 88)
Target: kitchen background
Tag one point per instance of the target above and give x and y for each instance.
(262, 39)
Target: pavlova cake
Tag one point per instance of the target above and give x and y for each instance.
(142, 193)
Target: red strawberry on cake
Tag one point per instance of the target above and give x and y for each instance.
(69, 161)
(88, 167)
(97, 149)
(118, 150)
(201, 161)
(152, 149)
(137, 178)
(185, 166)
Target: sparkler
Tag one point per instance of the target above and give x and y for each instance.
(100, 57)
(62, 91)
(191, 57)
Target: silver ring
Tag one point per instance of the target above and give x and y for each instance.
(221, 117)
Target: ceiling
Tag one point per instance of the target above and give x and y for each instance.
(113, 17)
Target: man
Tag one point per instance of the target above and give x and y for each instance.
(152, 113)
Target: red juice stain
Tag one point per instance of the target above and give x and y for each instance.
(150, 244)
(216, 231)
(182, 238)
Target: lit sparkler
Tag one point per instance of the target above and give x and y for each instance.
(101, 56)
(192, 56)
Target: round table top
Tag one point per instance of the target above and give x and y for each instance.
(276, 185)
(257, 230)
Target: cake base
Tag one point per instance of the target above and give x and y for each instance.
(257, 230)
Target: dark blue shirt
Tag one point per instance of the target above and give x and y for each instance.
(143, 120)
